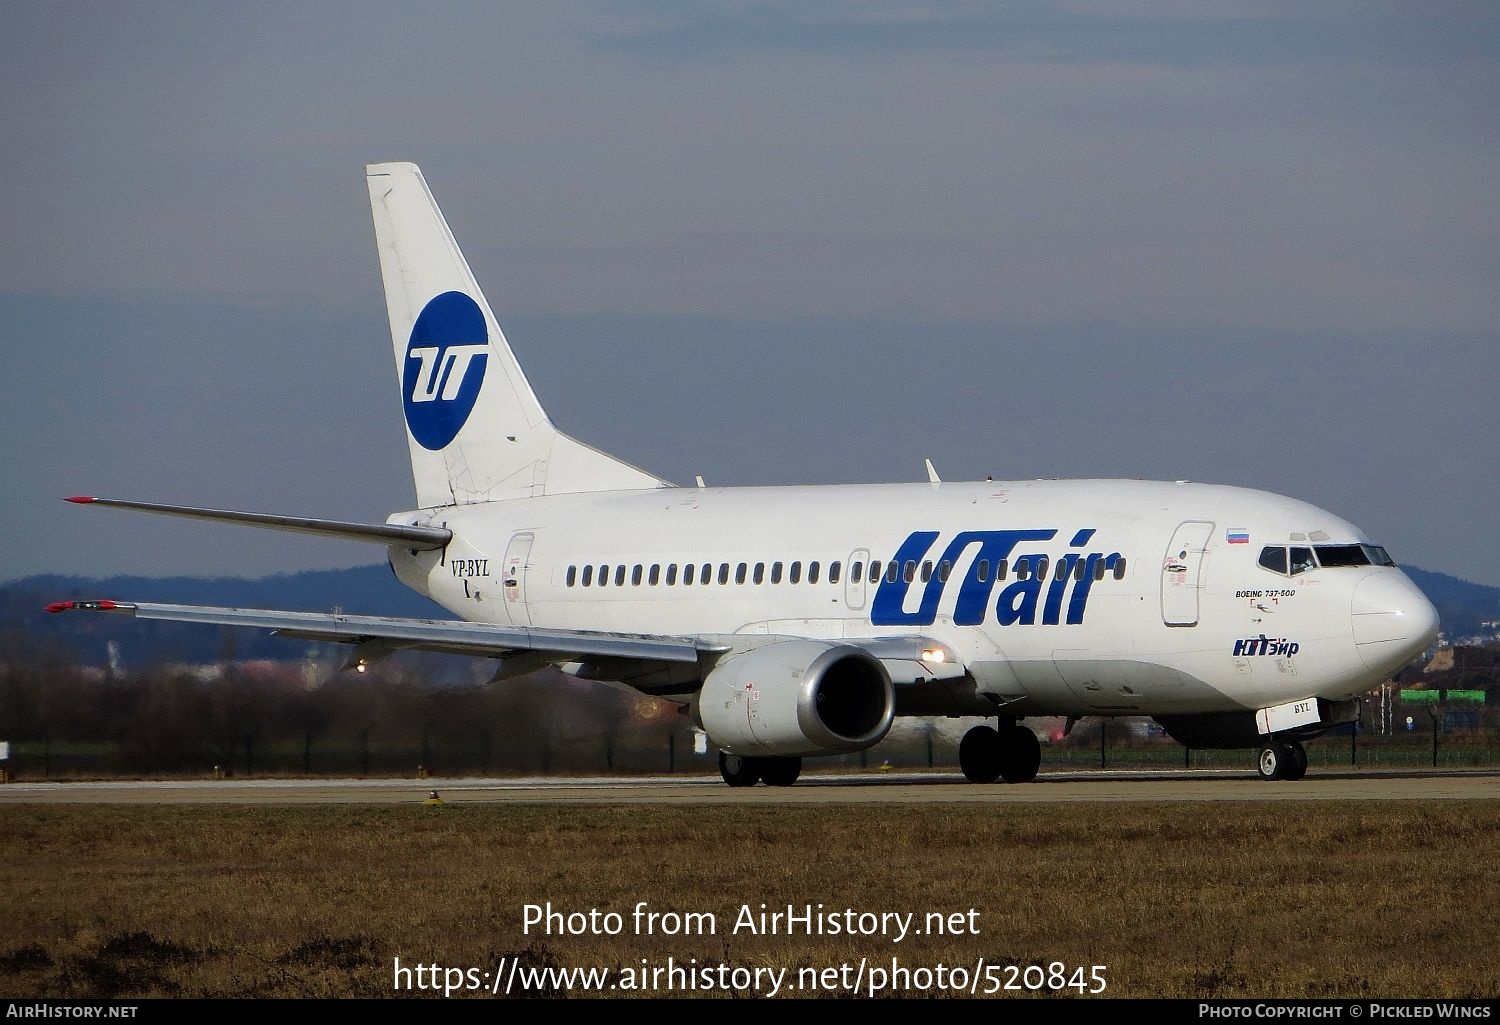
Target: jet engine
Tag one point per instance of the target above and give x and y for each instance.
(796, 697)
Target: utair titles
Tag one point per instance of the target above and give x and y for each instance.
(1034, 597)
(749, 920)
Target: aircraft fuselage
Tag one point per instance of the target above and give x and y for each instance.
(1076, 597)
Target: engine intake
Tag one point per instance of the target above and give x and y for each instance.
(796, 697)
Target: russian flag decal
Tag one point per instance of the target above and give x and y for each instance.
(1236, 536)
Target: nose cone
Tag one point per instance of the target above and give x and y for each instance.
(1393, 621)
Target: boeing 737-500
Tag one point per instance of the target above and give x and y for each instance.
(799, 621)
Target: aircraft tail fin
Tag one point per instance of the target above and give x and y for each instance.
(475, 429)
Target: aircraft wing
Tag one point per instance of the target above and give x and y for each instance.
(376, 636)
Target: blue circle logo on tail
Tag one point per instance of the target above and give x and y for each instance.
(445, 363)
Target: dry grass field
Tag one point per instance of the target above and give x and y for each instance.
(1320, 899)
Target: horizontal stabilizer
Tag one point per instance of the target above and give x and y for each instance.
(449, 636)
(420, 538)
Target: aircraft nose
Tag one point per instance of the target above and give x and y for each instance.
(1393, 620)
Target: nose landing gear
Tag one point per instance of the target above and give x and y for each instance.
(1282, 759)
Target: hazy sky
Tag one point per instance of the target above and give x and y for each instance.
(1249, 243)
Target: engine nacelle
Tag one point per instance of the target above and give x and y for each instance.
(801, 697)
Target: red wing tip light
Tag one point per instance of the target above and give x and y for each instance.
(81, 499)
(92, 606)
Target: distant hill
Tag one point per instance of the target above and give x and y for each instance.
(1461, 605)
(372, 590)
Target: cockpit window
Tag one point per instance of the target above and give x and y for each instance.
(1288, 562)
(1342, 555)
(1300, 560)
(1292, 561)
(1273, 559)
(1352, 555)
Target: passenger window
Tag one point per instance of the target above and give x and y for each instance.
(857, 571)
(795, 576)
(760, 572)
(874, 571)
(1301, 560)
(1098, 569)
(833, 573)
(984, 570)
(603, 576)
(739, 573)
(775, 572)
(620, 576)
(1120, 568)
(926, 571)
(655, 577)
(588, 576)
(687, 574)
(1062, 570)
(572, 575)
(672, 574)
(812, 572)
(723, 572)
(635, 576)
(892, 571)
(1023, 569)
(1001, 568)
(1041, 567)
(944, 569)
(706, 574)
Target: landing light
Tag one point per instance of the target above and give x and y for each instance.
(934, 655)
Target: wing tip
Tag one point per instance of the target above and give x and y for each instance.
(92, 606)
(81, 499)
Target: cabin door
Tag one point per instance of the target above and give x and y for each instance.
(513, 579)
(1182, 573)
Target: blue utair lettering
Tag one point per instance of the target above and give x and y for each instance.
(444, 368)
(1017, 603)
(973, 594)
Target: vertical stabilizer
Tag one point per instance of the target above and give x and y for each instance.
(475, 429)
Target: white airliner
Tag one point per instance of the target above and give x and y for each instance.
(800, 621)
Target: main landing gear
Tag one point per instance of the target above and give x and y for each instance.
(739, 771)
(1011, 753)
(1282, 759)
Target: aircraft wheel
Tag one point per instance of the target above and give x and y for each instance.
(780, 772)
(980, 754)
(1296, 766)
(1273, 761)
(1021, 755)
(739, 771)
